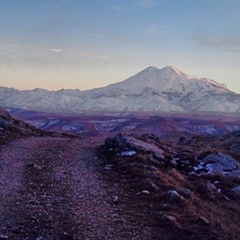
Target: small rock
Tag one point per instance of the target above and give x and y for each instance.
(173, 196)
(145, 192)
(115, 199)
(226, 198)
(3, 237)
(108, 167)
(207, 189)
(205, 220)
(164, 206)
(153, 160)
(170, 218)
(173, 162)
(37, 167)
(186, 192)
(66, 236)
(155, 187)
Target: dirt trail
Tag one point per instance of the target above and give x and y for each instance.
(54, 188)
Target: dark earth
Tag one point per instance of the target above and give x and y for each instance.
(64, 187)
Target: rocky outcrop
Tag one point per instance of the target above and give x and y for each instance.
(187, 159)
(217, 163)
(191, 183)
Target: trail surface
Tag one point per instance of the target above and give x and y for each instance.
(55, 188)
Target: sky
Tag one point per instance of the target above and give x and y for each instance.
(84, 44)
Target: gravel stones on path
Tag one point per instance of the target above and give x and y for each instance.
(54, 188)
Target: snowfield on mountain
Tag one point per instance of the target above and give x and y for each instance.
(151, 90)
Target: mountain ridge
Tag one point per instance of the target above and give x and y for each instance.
(150, 90)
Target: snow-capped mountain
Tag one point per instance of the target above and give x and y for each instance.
(150, 90)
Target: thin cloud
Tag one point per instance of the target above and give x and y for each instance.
(90, 55)
(79, 53)
(155, 30)
(56, 50)
(147, 3)
(231, 44)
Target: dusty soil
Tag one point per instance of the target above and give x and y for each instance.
(60, 188)
(56, 188)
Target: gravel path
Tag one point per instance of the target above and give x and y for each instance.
(54, 188)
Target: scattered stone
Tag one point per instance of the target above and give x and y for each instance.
(143, 192)
(207, 189)
(155, 187)
(164, 206)
(108, 167)
(205, 220)
(170, 218)
(173, 162)
(173, 196)
(127, 153)
(37, 167)
(66, 236)
(226, 198)
(3, 237)
(153, 160)
(115, 199)
(185, 192)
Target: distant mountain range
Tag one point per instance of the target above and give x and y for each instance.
(150, 90)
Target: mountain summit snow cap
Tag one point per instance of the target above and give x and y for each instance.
(173, 71)
(166, 72)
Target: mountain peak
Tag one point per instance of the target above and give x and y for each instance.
(171, 70)
(150, 69)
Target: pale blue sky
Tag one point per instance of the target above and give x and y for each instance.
(83, 44)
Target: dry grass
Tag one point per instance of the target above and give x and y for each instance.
(222, 214)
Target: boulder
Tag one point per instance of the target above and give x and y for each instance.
(233, 174)
(207, 189)
(173, 196)
(216, 163)
(185, 192)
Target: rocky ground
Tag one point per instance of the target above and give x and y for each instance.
(60, 187)
(56, 188)
(194, 185)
